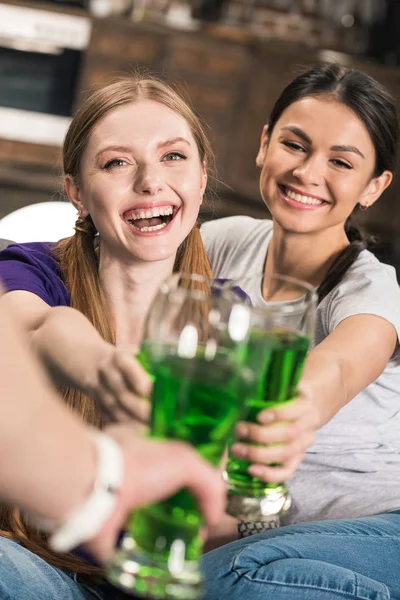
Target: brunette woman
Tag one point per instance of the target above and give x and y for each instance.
(327, 151)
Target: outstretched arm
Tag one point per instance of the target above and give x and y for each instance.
(35, 429)
(352, 357)
(48, 459)
(75, 354)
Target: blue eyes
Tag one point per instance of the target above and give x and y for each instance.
(114, 162)
(174, 156)
(170, 157)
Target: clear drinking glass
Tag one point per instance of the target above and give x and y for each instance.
(194, 347)
(280, 335)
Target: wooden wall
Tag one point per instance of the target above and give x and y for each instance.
(232, 81)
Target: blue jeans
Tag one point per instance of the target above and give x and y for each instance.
(25, 576)
(355, 559)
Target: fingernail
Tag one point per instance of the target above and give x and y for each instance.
(240, 450)
(266, 417)
(242, 431)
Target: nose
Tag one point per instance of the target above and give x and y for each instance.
(148, 180)
(311, 171)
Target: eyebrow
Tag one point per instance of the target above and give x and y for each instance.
(129, 149)
(338, 148)
(173, 141)
(348, 149)
(299, 132)
(115, 148)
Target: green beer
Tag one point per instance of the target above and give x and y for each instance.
(195, 400)
(283, 352)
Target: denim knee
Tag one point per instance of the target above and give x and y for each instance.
(25, 576)
(344, 559)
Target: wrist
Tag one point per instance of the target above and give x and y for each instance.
(101, 355)
(87, 519)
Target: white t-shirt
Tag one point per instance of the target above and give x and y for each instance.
(353, 469)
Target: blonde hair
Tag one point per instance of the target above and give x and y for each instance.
(78, 261)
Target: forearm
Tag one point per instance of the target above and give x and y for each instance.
(70, 348)
(47, 458)
(323, 377)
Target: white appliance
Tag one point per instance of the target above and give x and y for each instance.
(41, 54)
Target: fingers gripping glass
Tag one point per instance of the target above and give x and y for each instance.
(194, 346)
(280, 334)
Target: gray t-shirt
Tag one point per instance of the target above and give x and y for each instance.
(353, 469)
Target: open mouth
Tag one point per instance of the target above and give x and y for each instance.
(309, 201)
(150, 219)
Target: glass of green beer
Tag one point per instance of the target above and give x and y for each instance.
(280, 336)
(194, 348)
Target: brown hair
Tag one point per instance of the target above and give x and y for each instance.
(376, 109)
(78, 261)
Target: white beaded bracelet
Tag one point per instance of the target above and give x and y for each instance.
(85, 522)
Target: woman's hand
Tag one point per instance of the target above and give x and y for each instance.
(122, 387)
(155, 470)
(283, 435)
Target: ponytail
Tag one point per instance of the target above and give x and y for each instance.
(79, 263)
(359, 241)
(192, 257)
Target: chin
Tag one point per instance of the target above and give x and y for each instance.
(156, 255)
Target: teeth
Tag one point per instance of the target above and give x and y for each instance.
(300, 198)
(153, 212)
(154, 228)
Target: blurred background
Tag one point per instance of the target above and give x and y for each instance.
(232, 57)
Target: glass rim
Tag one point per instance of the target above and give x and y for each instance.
(166, 286)
(213, 284)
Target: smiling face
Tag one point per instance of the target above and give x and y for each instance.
(317, 165)
(141, 180)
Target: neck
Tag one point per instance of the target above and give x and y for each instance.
(304, 256)
(130, 288)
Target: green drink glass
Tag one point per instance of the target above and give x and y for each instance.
(194, 348)
(280, 336)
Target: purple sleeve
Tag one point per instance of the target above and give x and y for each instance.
(31, 268)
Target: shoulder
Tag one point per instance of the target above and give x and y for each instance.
(236, 246)
(234, 235)
(29, 251)
(235, 228)
(369, 273)
(37, 254)
(368, 287)
(31, 267)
